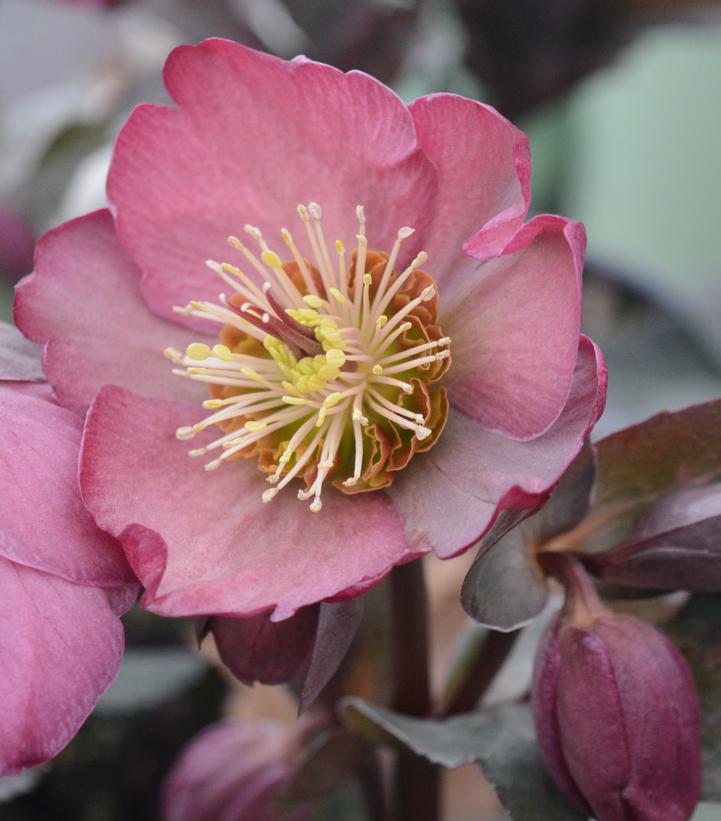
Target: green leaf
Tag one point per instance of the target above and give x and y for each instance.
(501, 741)
(505, 588)
(697, 633)
(338, 624)
(639, 465)
(707, 811)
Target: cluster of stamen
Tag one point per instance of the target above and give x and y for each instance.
(323, 369)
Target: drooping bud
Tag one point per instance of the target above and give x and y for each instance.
(234, 769)
(616, 711)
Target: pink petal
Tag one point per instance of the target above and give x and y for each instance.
(472, 475)
(515, 330)
(84, 301)
(252, 137)
(44, 523)
(484, 172)
(61, 647)
(203, 542)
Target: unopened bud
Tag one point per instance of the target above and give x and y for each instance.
(616, 712)
(235, 769)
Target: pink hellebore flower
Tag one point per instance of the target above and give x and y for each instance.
(333, 369)
(64, 583)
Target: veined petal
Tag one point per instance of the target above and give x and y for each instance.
(484, 172)
(251, 138)
(204, 542)
(472, 475)
(60, 650)
(84, 303)
(515, 329)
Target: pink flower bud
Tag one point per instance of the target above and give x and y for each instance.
(616, 712)
(234, 771)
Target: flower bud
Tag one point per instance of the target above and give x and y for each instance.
(234, 771)
(616, 712)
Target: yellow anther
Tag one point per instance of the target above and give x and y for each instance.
(306, 316)
(332, 399)
(339, 246)
(312, 301)
(294, 400)
(231, 269)
(338, 296)
(381, 321)
(253, 426)
(251, 374)
(367, 279)
(223, 352)
(198, 351)
(335, 355)
(271, 259)
(212, 404)
(377, 370)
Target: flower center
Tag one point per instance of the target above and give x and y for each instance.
(325, 370)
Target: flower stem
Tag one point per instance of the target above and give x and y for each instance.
(417, 780)
(409, 640)
(489, 659)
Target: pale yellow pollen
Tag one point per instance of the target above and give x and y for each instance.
(313, 301)
(317, 405)
(339, 297)
(223, 352)
(271, 259)
(198, 350)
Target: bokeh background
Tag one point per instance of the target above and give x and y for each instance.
(622, 102)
